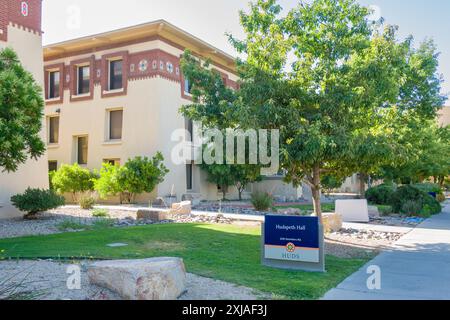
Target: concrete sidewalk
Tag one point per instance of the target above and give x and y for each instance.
(417, 268)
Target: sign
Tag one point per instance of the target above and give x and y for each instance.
(292, 238)
(24, 8)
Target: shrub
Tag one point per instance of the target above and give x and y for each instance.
(262, 201)
(87, 202)
(34, 201)
(138, 175)
(428, 187)
(385, 210)
(103, 224)
(100, 213)
(408, 193)
(441, 197)
(73, 179)
(411, 207)
(380, 194)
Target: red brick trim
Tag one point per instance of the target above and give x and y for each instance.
(105, 73)
(131, 42)
(74, 79)
(47, 70)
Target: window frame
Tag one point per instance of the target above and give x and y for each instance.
(49, 130)
(77, 158)
(108, 137)
(109, 74)
(50, 87)
(78, 80)
(191, 166)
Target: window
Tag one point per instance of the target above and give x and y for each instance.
(82, 148)
(53, 84)
(114, 162)
(189, 176)
(187, 86)
(190, 128)
(115, 75)
(115, 124)
(53, 129)
(84, 74)
(52, 166)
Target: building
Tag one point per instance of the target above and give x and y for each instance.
(20, 29)
(444, 116)
(117, 95)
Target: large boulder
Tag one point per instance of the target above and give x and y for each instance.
(332, 222)
(353, 210)
(154, 215)
(373, 212)
(184, 207)
(147, 279)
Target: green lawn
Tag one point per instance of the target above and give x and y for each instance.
(229, 253)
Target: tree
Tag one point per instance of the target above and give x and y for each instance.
(73, 179)
(108, 182)
(21, 113)
(137, 176)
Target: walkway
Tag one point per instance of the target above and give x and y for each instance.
(417, 268)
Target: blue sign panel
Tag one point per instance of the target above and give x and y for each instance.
(292, 238)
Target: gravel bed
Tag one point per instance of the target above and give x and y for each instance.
(48, 279)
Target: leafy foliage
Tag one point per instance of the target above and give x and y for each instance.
(73, 179)
(87, 201)
(34, 201)
(407, 193)
(100, 213)
(137, 176)
(380, 194)
(335, 86)
(21, 113)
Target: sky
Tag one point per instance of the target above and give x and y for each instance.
(211, 19)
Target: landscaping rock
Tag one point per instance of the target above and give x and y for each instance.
(291, 212)
(153, 215)
(332, 222)
(184, 207)
(147, 279)
(374, 212)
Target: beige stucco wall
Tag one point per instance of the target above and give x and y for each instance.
(444, 116)
(34, 173)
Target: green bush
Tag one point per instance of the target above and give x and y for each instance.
(87, 202)
(137, 176)
(385, 210)
(380, 194)
(412, 207)
(73, 179)
(441, 197)
(68, 225)
(428, 187)
(100, 213)
(262, 201)
(408, 193)
(34, 201)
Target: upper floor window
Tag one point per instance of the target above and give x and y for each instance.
(115, 74)
(53, 84)
(53, 130)
(84, 76)
(115, 124)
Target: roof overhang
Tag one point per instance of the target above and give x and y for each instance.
(159, 28)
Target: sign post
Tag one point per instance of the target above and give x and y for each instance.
(293, 242)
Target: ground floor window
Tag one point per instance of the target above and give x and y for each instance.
(52, 166)
(82, 148)
(189, 176)
(114, 162)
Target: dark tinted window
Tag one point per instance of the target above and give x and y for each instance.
(115, 74)
(84, 79)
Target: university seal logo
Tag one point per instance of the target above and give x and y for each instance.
(290, 247)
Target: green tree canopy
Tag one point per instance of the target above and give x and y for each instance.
(21, 113)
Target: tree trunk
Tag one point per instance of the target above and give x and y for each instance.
(362, 185)
(315, 189)
(224, 192)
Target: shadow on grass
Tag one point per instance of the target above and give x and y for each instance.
(225, 252)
